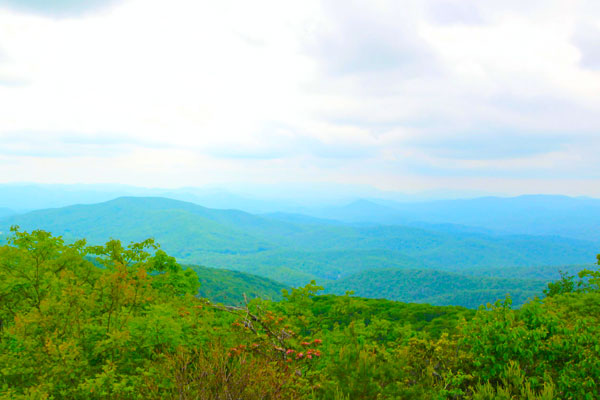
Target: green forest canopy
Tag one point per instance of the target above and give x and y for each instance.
(133, 328)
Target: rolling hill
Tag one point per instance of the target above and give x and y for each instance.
(436, 287)
(229, 287)
(573, 217)
(294, 250)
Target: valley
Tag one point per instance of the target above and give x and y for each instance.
(442, 265)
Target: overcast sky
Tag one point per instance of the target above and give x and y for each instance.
(478, 95)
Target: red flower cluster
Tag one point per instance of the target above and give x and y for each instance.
(310, 353)
(313, 352)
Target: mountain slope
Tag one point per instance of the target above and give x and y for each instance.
(179, 225)
(436, 287)
(229, 287)
(295, 251)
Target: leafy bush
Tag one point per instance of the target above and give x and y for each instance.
(125, 322)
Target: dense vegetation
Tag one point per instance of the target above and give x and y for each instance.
(295, 250)
(230, 287)
(128, 325)
(436, 287)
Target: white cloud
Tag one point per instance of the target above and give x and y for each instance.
(181, 92)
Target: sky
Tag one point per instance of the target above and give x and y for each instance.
(427, 95)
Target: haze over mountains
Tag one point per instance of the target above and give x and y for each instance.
(530, 214)
(575, 217)
(4, 212)
(443, 252)
(296, 198)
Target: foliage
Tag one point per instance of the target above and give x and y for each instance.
(589, 281)
(124, 322)
(436, 287)
(230, 287)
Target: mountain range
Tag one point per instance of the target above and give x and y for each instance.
(577, 218)
(573, 217)
(294, 249)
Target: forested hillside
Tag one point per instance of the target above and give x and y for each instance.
(129, 326)
(543, 273)
(295, 249)
(436, 287)
(232, 287)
